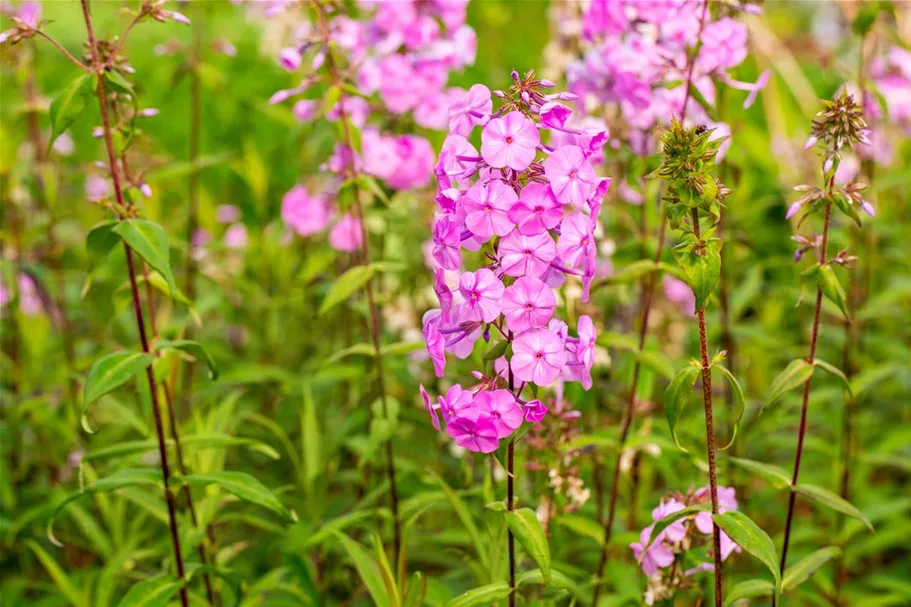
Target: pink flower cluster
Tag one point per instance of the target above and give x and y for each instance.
(670, 542)
(529, 203)
(635, 57)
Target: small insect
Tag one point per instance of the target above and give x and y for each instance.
(701, 129)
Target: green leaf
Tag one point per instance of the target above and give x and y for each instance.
(801, 571)
(345, 286)
(558, 580)
(526, 528)
(127, 477)
(102, 239)
(109, 373)
(156, 591)
(739, 404)
(833, 501)
(836, 372)
(70, 104)
(751, 538)
(773, 475)
(67, 587)
(657, 362)
(331, 99)
(669, 520)
(310, 439)
(416, 591)
(496, 351)
(482, 596)
(201, 441)
(629, 273)
(749, 589)
(194, 348)
(795, 374)
(368, 570)
(464, 514)
(150, 242)
(677, 395)
(118, 82)
(832, 289)
(241, 485)
(701, 272)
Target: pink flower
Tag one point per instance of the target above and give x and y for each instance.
(469, 109)
(538, 356)
(526, 255)
(305, 214)
(656, 557)
(305, 109)
(346, 234)
(571, 175)
(436, 344)
(483, 293)
(236, 236)
(479, 436)
(576, 240)
(527, 304)
(227, 213)
(447, 238)
(727, 500)
(458, 404)
(680, 293)
(443, 293)
(416, 163)
(535, 411)
(536, 210)
(29, 299)
(675, 531)
(503, 410)
(431, 409)
(487, 209)
(510, 141)
(289, 58)
(554, 115)
(432, 111)
(397, 84)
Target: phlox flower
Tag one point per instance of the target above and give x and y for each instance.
(483, 293)
(535, 411)
(656, 557)
(537, 210)
(479, 435)
(726, 501)
(538, 356)
(435, 343)
(503, 410)
(571, 175)
(346, 234)
(447, 240)
(510, 141)
(487, 209)
(522, 255)
(468, 109)
(458, 404)
(527, 304)
(432, 409)
(576, 240)
(675, 531)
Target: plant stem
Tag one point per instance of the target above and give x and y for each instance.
(137, 306)
(709, 432)
(175, 436)
(193, 181)
(375, 328)
(802, 430)
(510, 495)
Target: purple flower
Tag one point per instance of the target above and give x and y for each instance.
(656, 557)
(576, 240)
(397, 84)
(680, 293)
(554, 115)
(527, 304)
(537, 210)
(535, 411)
(446, 242)
(305, 109)
(305, 214)
(458, 404)
(468, 109)
(435, 343)
(236, 236)
(585, 347)
(487, 209)
(431, 409)
(503, 410)
(522, 255)
(479, 436)
(510, 141)
(346, 234)
(227, 213)
(727, 500)
(538, 356)
(289, 58)
(443, 293)
(675, 531)
(571, 175)
(483, 293)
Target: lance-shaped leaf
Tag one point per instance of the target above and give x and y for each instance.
(416, 591)
(832, 369)
(677, 395)
(773, 475)
(526, 528)
(201, 441)
(242, 486)
(194, 348)
(832, 289)
(149, 241)
(747, 534)
(701, 271)
(102, 239)
(156, 591)
(109, 373)
(368, 570)
(70, 103)
(67, 587)
(345, 286)
(795, 374)
(739, 406)
(128, 477)
(833, 501)
(749, 589)
(482, 596)
(558, 580)
(801, 571)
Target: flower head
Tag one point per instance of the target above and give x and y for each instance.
(538, 356)
(510, 141)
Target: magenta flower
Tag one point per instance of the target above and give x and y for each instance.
(535, 411)
(538, 356)
(346, 234)
(487, 209)
(656, 557)
(510, 141)
(537, 210)
(576, 240)
(571, 175)
(447, 239)
(727, 500)
(528, 304)
(431, 409)
(503, 410)
(526, 255)
(458, 404)
(468, 111)
(483, 293)
(479, 436)
(289, 58)
(554, 115)
(305, 214)
(436, 344)
(443, 293)
(585, 347)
